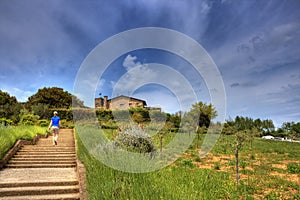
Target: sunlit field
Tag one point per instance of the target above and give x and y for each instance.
(268, 170)
(10, 134)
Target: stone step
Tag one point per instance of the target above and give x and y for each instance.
(44, 156)
(50, 144)
(43, 159)
(41, 162)
(38, 183)
(44, 152)
(33, 147)
(71, 196)
(41, 190)
(55, 165)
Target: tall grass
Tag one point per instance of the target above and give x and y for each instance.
(172, 182)
(10, 134)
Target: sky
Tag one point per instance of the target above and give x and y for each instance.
(255, 46)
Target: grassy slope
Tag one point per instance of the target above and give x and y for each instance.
(173, 182)
(9, 135)
(185, 180)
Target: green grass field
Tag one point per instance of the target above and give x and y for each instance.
(269, 170)
(10, 134)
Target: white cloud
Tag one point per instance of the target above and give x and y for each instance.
(21, 95)
(130, 62)
(165, 100)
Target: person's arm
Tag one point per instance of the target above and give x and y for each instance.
(50, 125)
(59, 123)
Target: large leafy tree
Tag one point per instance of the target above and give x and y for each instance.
(9, 106)
(53, 97)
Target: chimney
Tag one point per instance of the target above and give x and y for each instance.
(105, 102)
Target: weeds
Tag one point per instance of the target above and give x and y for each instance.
(293, 168)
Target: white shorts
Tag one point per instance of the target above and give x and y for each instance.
(55, 129)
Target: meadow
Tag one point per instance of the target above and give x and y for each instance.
(268, 170)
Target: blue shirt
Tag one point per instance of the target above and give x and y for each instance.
(55, 121)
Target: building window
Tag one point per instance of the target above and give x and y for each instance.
(121, 105)
(130, 104)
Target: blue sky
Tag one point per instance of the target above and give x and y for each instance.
(254, 44)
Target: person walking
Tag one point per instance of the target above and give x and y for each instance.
(54, 126)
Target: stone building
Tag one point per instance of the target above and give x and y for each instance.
(121, 102)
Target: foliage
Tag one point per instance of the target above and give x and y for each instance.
(175, 120)
(293, 168)
(257, 179)
(27, 118)
(291, 128)
(43, 123)
(134, 139)
(5, 122)
(157, 116)
(258, 127)
(200, 115)
(137, 117)
(121, 115)
(168, 183)
(144, 113)
(104, 115)
(240, 137)
(53, 97)
(10, 134)
(9, 107)
(42, 110)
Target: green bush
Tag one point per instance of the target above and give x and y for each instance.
(5, 121)
(43, 123)
(29, 119)
(134, 139)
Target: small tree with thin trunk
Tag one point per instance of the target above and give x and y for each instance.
(240, 137)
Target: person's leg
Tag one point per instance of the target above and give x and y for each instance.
(56, 136)
(54, 133)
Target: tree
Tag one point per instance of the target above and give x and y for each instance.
(53, 97)
(200, 115)
(268, 126)
(175, 120)
(41, 110)
(240, 137)
(9, 107)
(137, 117)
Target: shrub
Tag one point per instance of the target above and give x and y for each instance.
(29, 119)
(43, 123)
(134, 139)
(5, 121)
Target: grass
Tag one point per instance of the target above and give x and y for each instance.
(269, 170)
(172, 182)
(10, 134)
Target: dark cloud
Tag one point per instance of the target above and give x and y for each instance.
(235, 85)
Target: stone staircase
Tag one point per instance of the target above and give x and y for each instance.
(42, 171)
